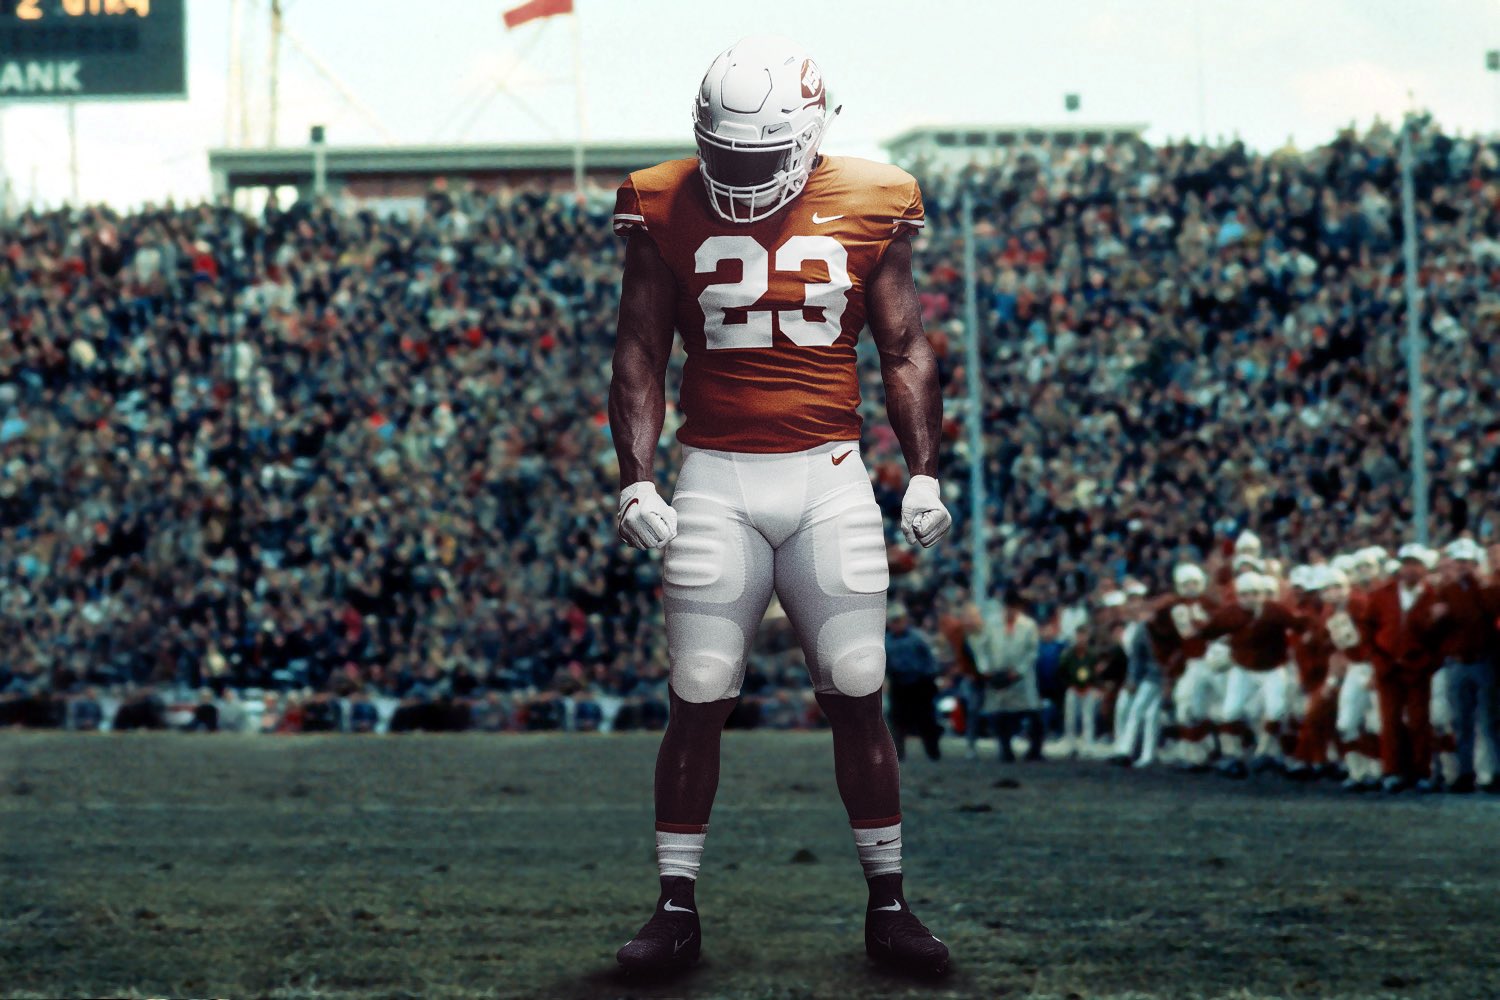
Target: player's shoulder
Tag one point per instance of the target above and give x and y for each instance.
(883, 194)
(872, 174)
(647, 197)
(664, 177)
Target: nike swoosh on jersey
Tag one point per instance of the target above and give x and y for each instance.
(895, 907)
(818, 220)
(840, 458)
(675, 909)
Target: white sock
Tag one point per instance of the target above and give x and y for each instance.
(879, 849)
(679, 853)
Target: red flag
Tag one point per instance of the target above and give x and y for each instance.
(536, 8)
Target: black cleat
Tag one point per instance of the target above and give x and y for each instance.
(671, 939)
(895, 938)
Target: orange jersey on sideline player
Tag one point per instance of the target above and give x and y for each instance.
(770, 311)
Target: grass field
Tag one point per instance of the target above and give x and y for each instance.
(482, 866)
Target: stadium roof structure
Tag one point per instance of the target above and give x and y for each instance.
(949, 141)
(375, 171)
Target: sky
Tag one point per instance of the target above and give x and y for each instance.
(447, 71)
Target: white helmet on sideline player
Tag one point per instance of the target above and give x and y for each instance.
(1247, 564)
(759, 116)
(1250, 592)
(1248, 544)
(1369, 563)
(1335, 587)
(1189, 581)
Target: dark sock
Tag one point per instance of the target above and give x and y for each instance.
(884, 888)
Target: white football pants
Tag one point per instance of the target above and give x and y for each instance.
(804, 523)
(1440, 713)
(1359, 711)
(1246, 696)
(1198, 693)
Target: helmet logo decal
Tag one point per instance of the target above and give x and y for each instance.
(812, 81)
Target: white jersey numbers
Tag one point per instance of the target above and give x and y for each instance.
(717, 300)
(1342, 630)
(1188, 618)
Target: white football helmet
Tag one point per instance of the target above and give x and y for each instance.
(1335, 588)
(1369, 564)
(1248, 544)
(1466, 550)
(1189, 581)
(759, 116)
(1250, 592)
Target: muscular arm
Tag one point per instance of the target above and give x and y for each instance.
(907, 365)
(643, 343)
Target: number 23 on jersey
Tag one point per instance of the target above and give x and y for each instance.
(756, 267)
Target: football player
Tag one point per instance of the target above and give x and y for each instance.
(769, 259)
(1318, 697)
(1357, 719)
(1257, 628)
(1194, 687)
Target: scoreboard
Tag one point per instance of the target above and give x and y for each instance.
(79, 50)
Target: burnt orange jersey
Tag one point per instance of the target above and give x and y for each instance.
(770, 311)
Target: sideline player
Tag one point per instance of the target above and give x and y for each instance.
(769, 260)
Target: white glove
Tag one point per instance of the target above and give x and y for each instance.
(645, 520)
(924, 519)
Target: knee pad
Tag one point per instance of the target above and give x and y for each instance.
(707, 656)
(704, 677)
(859, 671)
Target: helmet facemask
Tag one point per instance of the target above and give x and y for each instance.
(751, 179)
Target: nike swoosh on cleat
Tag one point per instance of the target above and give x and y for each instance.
(675, 909)
(895, 907)
(679, 945)
(818, 220)
(840, 458)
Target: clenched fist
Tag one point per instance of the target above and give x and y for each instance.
(924, 519)
(644, 519)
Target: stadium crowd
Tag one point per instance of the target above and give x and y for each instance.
(359, 460)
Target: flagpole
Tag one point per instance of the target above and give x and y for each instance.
(582, 121)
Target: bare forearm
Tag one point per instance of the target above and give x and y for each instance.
(637, 407)
(643, 341)
(915, 406)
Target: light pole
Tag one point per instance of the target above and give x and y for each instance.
(1417, 409)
